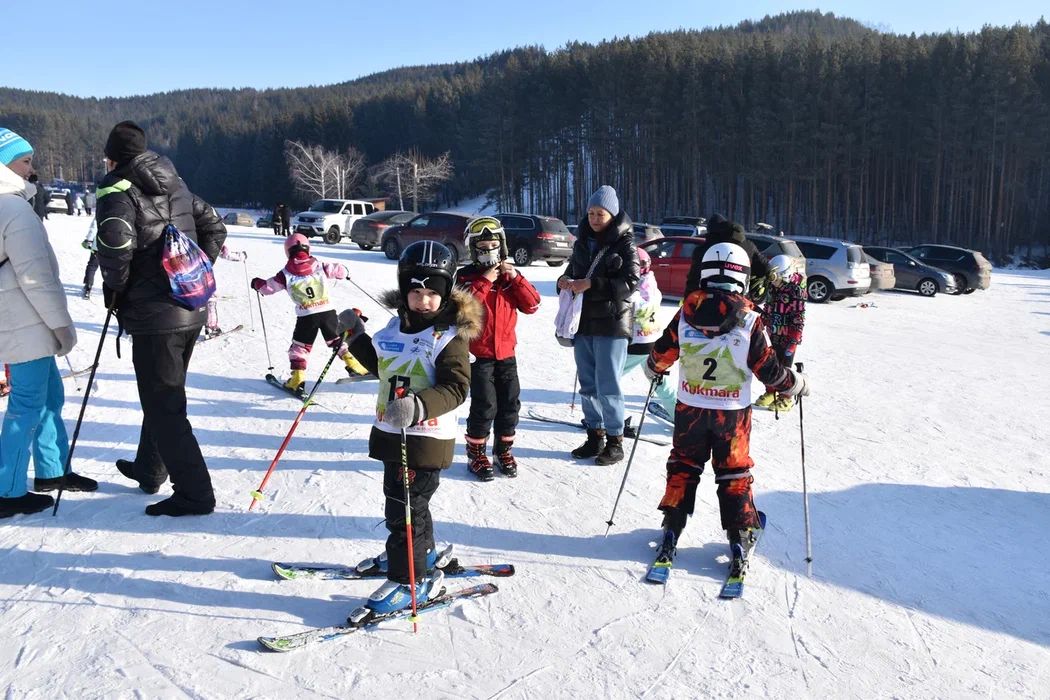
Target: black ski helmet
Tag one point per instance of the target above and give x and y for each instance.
(426, 264)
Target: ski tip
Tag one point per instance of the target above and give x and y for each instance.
(273, 644)
(281, 570)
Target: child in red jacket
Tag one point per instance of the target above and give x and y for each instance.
(494, 389)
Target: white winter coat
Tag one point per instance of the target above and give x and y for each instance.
(32, 301)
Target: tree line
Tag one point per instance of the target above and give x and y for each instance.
(815, 124)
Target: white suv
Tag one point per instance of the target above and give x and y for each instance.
(331, 219)
(834, 268)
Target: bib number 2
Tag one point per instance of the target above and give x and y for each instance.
(711, 364)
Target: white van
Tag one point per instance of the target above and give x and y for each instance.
(834, 268)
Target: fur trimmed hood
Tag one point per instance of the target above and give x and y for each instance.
(462, 310)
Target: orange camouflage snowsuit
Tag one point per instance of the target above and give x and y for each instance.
(721, 435)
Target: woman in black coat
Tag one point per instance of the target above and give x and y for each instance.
(604, 268)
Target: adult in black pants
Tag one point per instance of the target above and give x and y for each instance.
(721, 230)
(139, 196)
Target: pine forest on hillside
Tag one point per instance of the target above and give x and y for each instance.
(813, 123)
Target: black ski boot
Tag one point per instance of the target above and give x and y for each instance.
(508, 466)
(477, 461)
(613, 451)
(593, 447)
(668, 547)
(741, 542)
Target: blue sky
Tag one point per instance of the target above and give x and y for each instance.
(127, 48)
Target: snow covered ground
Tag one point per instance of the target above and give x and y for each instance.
(929, 491)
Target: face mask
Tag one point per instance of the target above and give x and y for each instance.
(488, 258)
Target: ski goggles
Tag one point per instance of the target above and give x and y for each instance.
(485, 225)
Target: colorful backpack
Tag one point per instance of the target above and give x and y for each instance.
(189, 269)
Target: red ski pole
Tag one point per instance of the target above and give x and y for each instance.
(400, 392)
(257, 494)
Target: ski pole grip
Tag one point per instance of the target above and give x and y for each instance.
(798, 366)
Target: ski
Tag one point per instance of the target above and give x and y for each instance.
(453, 569)
(356, 378)
(310, 637)
(206, 338)
(660, 569)
(734, 585)
(301, 394)
(579, 424)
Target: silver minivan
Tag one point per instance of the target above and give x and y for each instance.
(834, 268)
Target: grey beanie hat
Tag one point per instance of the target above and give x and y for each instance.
(605, 197)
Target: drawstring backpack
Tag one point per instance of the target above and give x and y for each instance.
(189, 269)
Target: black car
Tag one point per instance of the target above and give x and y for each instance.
(970, 269)
(531, 237)
(367, 231)
(912, 273)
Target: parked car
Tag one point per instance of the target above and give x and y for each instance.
(683, 226)
(911, 273)
(237, 218)
(367, 231)
(531, 237)
(772, 245)
(882, 274)
(58, 200)
(971, 269)
(646, 232)
(671, 256)
(264, 221)
(443, 226)
(331, 219)
(834, 268)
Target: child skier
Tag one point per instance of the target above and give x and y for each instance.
(306, 280)
(494, 390)
(784, 314)
(721, 340)
(422, 360)
(645, 303)
(211, 326)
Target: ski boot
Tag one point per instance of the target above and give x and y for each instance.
(741, 543)
(393, 596)
(353, 367)
(783, 404)
(297, 381)
(477, 461)
(508, 466)
(668, 548)
(437, 558)
(211, 332)
(766, 400)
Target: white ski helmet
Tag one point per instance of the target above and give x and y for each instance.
(725, 266)
(783, 265)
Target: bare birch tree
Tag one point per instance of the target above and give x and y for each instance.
(413, 176)
(325, 174)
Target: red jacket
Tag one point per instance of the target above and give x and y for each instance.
(502, 300)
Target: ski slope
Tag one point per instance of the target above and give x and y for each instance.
(929, 493)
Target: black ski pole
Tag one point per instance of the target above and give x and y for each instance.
(637, 435)
(266, 340)
(805, 492)
(83, 407)
(377, 302)
(575, 381)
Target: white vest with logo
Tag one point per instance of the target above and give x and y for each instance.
(714, 371)
(406, 360)
(309, 292)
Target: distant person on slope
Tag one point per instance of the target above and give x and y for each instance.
(139, 196)
(305, 278)
(423, 362)
(721, 340)
(494, 388)
(34, 327)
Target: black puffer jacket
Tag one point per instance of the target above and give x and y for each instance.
(606, 305)
(135, 202)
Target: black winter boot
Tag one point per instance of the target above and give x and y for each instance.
(593, 446)
(508, 466)
(29, 503)
(477, 461)
(176, 506)
(127, 468)
(74, 482)
(613, 451)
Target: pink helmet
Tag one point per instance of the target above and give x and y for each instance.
(644, 261)
(295, 243)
